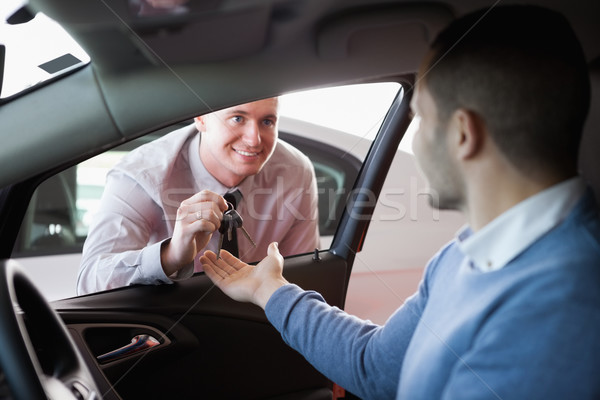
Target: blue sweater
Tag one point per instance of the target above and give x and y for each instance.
(530, 330)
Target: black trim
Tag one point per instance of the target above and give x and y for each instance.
(352, 230)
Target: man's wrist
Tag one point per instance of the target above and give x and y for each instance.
(266, 290)
(168, 263)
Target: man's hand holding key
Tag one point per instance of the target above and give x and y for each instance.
(197, 218)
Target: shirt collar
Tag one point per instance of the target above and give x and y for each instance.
(509, 234)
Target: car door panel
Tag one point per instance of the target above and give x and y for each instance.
(197, 325)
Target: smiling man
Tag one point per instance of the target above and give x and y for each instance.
(164, 201)
(238, 141)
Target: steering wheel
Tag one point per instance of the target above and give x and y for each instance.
(39, 359)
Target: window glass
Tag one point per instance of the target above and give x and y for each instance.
(359, 109)
(36, 50)
(91, 175)
(336, 141)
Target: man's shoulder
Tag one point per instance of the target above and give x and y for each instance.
(448, 256)
(153, 164)
(569, 253)
(288, 156)
(159, 153)
(580, 231)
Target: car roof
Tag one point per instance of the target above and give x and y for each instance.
(147, 72)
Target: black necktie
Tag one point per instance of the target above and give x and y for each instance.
(232, 245)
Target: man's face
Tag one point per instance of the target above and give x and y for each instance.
(237, 142)
(433, 154)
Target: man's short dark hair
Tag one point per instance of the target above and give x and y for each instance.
(522, 70)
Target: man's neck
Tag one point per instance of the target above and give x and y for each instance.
(500, 190)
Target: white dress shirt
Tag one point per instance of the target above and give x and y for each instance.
(143, 191)
(509, 234)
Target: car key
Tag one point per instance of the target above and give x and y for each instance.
(238, 222)
(225, 228)
(231, 220)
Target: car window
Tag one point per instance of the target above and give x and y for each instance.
(37, 49)
(62, 207)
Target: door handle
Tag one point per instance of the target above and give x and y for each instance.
(138, 343)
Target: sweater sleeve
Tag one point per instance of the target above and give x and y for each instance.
(362, 357)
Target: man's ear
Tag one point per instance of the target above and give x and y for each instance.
(469, 133)
(200, 125)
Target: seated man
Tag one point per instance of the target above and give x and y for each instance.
(162, 202)
(511, 308)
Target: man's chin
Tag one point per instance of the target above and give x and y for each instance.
(443, 204)
(249, 170)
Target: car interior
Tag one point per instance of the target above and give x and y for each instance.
(150, 69)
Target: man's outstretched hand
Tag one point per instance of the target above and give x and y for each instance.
(243, 282)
